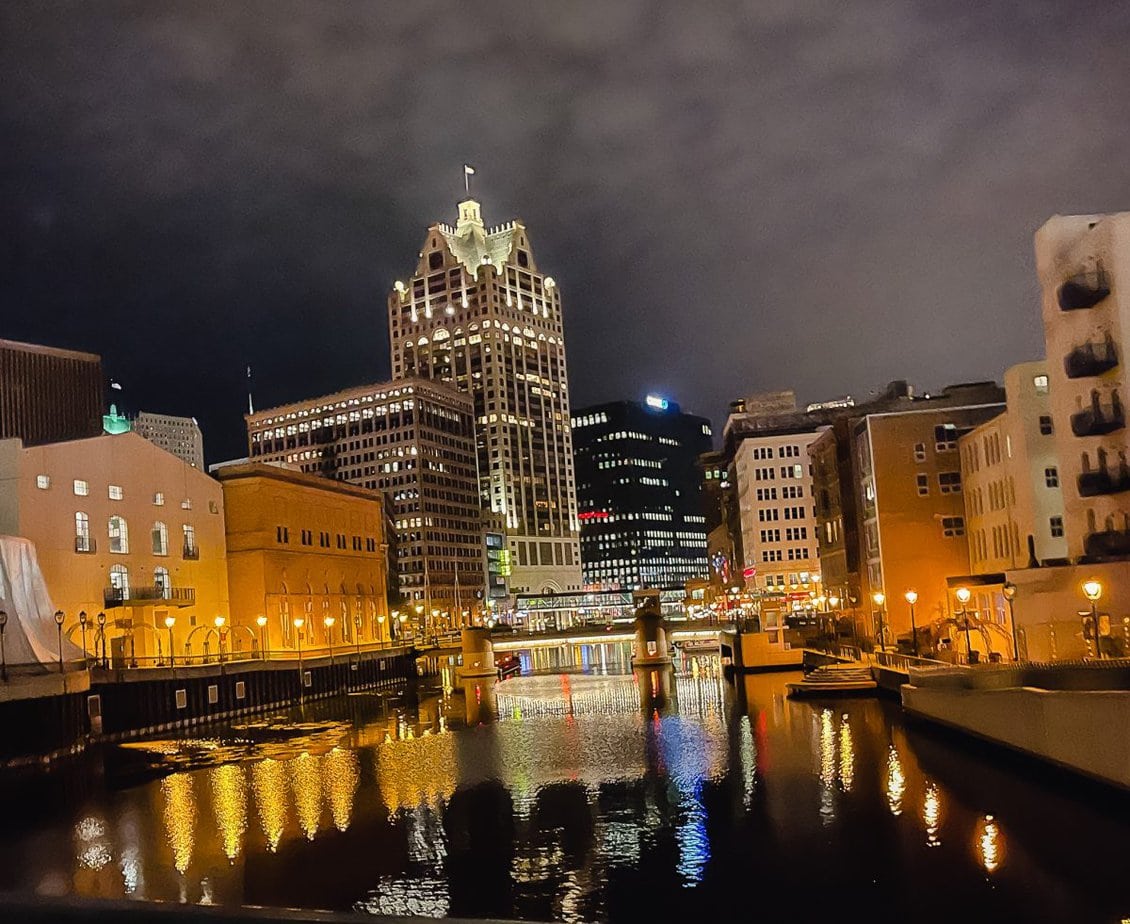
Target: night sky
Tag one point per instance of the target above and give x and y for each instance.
(732, 196)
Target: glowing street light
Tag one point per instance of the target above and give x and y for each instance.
(261, 622)
(1009, 591)
(299, 622)
(59, 617)
(171, 621)
(221, 634)
(328, 622)
(963, 594)
(879, 598)
(1093, 590)
(912, 598)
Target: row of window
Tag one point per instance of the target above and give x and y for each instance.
(948, 483)
(792, 534)
(788, 492)
(118, 534)
(786, 471)
(772, 514)
(81, 488)
(282, 536)
(794, 554)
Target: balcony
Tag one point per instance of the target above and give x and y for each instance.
(1109, 543)
(1099, 418)
(1084, 290)
(85, 545)
(1091, 359)
(191, 553)
(146, 596)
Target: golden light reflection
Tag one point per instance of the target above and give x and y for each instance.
(306, 781)
(417, 771)
(180, 817)
(229, 802)
(341, 775)
(990, 844)
(268, 779)
(827, 767)
(896, 781)
(847, 754)
(932, 815)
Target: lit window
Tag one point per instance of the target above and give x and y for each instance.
(81, 488)
(1041, 383)
(115, 492)
(43, 482)
(186, 504)
(119, 536)
(158, 499)
(160, 538)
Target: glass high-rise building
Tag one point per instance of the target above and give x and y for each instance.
(641, 508)
(478, 312)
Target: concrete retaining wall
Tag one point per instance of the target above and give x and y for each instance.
(1082, 730)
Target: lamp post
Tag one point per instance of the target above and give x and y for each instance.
(1092, 590)
(381, 628)
(912, 598)
(329, 624)
(357, 625)
(101, 620)
(1009, 591)
(261, 622)
(82, 624)
(171, 621)
(221, 634)
(879, 598)
(3, 654)
(963, 595)
(299, 622)
(403, 619)
(59, 628)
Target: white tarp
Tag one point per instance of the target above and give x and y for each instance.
(31, 635)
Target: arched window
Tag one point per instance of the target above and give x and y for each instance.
(82, 533)
(161, 583)
(160, 539)
(119, 535)
(190, 550)
(119, 581)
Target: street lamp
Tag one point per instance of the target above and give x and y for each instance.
(59, 627)
(381, 629)
(1009, 591)
(3, 655)
(221, 633)
(403, 619)
(879, 598)
(82, 623)
(1092, 590)
(261, 621)
(299, 622)
(171, 621)
(963, 595)
(101, 620)
(912, 598)
(329, 624)
(357, 624)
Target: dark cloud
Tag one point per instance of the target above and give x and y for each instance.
(733, 196)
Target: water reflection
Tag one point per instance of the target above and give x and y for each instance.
(583, 800)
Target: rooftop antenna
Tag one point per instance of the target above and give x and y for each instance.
(468, 172)
(250, 404)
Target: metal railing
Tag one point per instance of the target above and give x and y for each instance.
(904, 662)
(120, 596)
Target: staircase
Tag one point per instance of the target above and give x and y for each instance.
(834, 678)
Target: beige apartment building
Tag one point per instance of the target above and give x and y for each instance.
(1010, 473)
(121, 527)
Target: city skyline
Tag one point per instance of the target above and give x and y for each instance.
(164, 188)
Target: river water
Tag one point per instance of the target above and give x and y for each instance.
(594, 796)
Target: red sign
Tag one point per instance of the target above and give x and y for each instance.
(593, 515)
(749, 572)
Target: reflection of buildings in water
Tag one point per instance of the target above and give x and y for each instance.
(306, 783)
(990, 844)
(896, 781)
(129, 861)
(180, 817)
(417, 896)
(932, 815)
(480, 700)
(415, 771)
(747, 757)
(229, 802)
(269, 781)
(834, 773)
(92, 846)
(425, 837)
(341, 775)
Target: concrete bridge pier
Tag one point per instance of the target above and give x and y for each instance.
(650, 647)
(478, 676)
(657, 688)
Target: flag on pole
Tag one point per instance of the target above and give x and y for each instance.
(468, 172)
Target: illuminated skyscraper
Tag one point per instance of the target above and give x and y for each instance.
(478, 313)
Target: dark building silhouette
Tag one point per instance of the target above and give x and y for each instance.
(639, 493)
(49, 395)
